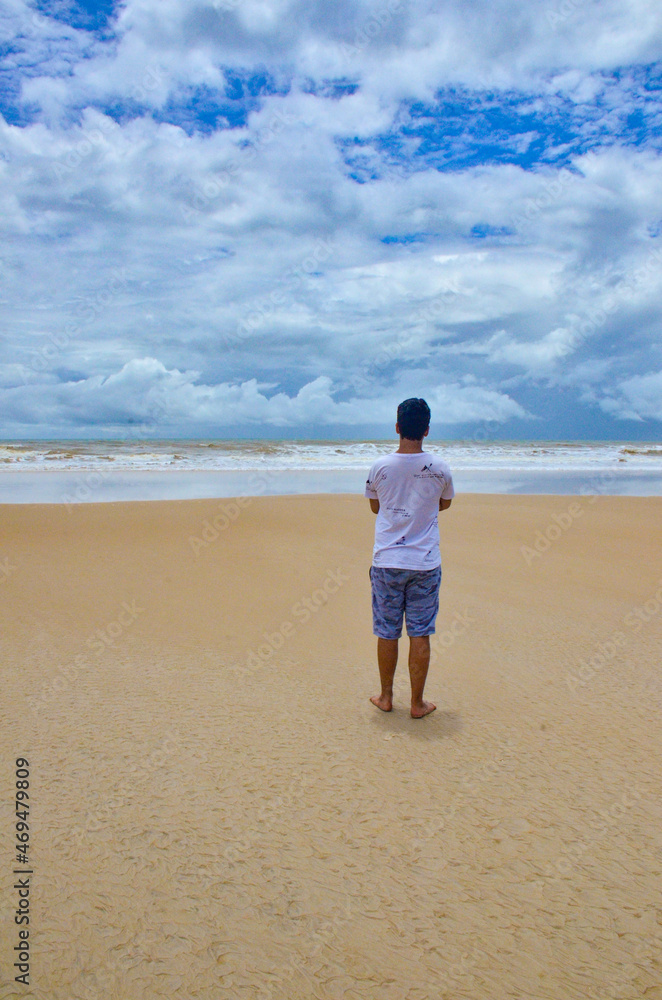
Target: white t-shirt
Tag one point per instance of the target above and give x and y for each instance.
(408, 488)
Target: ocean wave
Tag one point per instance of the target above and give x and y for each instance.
(654, 452)
(246, 456)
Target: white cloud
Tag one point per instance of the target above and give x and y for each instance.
(637, 398)
(146, 394)
(214, 233)
(532, 355)
(397, 49)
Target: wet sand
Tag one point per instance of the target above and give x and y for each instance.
(217, 810)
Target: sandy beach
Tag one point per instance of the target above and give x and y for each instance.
(217, 810)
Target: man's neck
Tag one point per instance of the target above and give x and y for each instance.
(408, 447)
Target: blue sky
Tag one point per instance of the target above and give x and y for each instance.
(271, 218)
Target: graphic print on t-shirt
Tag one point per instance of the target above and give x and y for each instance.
(408, 487)
(427, 481)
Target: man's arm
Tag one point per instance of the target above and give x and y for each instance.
(444, 504)
(374, 505)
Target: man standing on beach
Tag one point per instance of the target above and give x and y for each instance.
(407, 489)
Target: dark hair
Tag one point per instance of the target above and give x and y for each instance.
(413, 418)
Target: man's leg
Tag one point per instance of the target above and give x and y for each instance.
(419, 662)
(422, 606)
(387, 659)
(388, 605)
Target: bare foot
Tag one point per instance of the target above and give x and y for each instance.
(383, 702)
(418, 711)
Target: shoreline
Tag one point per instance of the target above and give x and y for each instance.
(106, 485)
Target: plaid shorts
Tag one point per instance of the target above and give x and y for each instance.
(413, 593)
